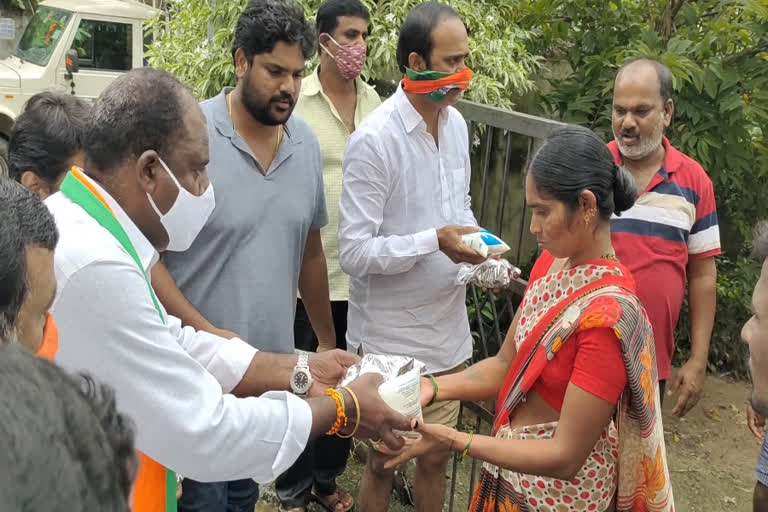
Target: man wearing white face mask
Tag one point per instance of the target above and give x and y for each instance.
(146, 189)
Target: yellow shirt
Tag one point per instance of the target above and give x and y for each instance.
(320, 114)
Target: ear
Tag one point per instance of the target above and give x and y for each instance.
(587, 201)
(669, 111)
(35, 184)
(416, 62)
(147, 169)
(241, 63)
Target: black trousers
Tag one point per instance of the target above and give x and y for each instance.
(324, 459)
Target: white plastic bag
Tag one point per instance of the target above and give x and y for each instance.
(400, 388)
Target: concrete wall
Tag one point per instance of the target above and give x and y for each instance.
(21, 18)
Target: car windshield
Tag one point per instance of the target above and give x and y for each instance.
(41, 35)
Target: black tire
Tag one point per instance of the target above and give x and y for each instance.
(4, 166)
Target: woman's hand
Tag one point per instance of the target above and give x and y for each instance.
(434, 439)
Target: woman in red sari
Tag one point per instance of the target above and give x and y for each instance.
(577, 427)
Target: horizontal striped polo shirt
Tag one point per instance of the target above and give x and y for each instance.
(673, 220)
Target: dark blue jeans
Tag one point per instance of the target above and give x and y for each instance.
(325, 459)
(235, 496)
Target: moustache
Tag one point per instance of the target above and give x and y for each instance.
(287, 98)
(629, 134)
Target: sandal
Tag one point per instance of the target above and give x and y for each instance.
(339, 501)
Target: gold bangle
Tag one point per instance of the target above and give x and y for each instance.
(357, 413)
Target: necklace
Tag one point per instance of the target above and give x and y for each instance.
(607, 256)
(279, 127)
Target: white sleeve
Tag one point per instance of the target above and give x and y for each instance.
(361, 210)
(110, 329)
(227, 360)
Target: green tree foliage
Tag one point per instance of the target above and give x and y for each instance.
(195, 43)
(718, 53)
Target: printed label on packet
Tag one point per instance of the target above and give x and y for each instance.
(402, 395)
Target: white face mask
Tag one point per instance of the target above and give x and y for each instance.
(187, 216)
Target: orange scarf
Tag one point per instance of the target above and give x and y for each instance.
(460, 79)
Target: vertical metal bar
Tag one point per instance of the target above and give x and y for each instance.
(496, 327)
(523, 209)
(486, 167)
(504, 176)
(480, 326)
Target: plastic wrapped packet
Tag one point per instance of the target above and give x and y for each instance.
(485, 242)
(400, 389)
(491, 274)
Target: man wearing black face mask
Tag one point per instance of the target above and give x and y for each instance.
(261, 245)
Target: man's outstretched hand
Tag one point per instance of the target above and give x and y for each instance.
(377, 419)
(328, 368)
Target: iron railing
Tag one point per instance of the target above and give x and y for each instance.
(502, 143)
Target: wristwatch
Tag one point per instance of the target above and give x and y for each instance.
(301, 380)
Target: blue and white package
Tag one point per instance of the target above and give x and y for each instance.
(485, 242)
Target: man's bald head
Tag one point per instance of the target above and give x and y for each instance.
(645, 69)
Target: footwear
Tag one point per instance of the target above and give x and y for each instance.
(339, 501)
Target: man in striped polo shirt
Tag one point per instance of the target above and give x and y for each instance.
(671, 235)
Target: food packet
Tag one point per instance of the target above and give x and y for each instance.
(491, 274)
(485, 242)
(400, 388)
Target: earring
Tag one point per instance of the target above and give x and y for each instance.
(588, 216)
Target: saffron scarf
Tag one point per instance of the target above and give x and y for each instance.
(155, 487)
(599, 294)
(434, 83)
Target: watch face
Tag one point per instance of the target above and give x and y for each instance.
(301, 382)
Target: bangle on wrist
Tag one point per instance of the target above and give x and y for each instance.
(433, 381)
(341, 416)
(466, 448)
(357, 414)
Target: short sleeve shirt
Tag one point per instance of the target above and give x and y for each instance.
(674, 220)
(242, 270)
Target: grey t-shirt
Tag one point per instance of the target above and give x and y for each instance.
(242, 271)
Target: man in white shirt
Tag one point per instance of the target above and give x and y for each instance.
(146, 189)
(404, 207)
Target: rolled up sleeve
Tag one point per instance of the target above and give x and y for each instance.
(172, 382)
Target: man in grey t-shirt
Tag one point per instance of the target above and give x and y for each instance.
(262, 243)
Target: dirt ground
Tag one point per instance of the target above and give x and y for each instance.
(711, 454)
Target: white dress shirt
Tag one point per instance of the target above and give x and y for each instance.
(171, 380)
(399, 187)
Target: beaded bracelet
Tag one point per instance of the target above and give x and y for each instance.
(341, 416)
(357, 414)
